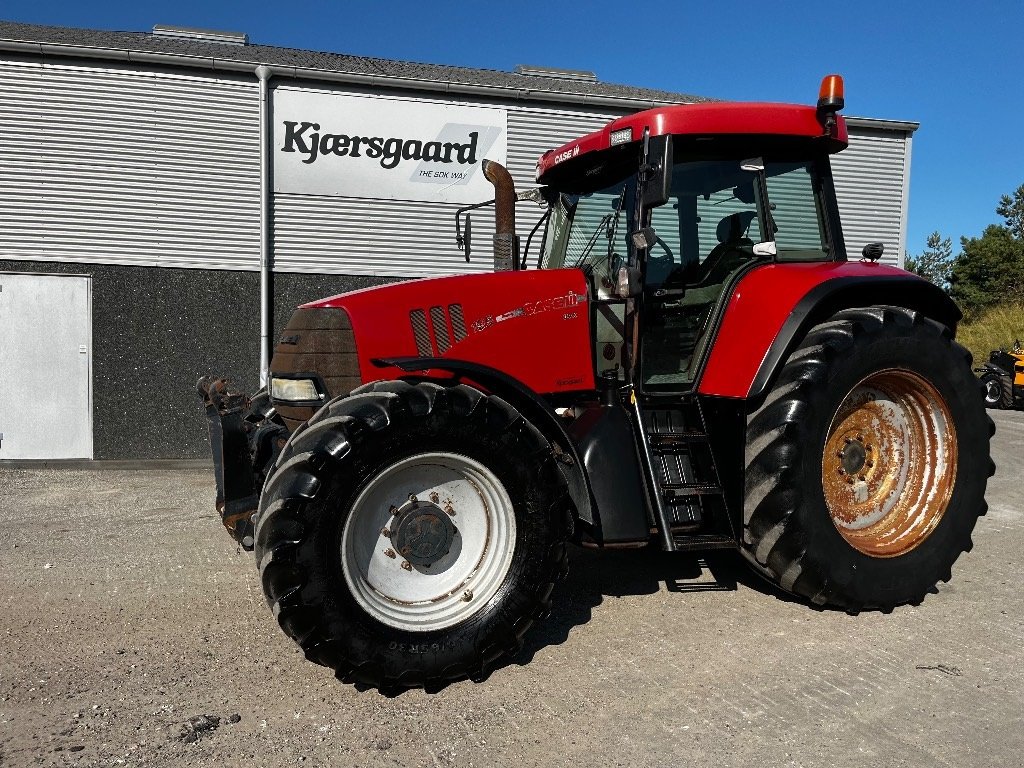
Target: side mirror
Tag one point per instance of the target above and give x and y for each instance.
(658, 183)
(465, 241)
(873, 251)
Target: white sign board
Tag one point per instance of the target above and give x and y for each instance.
(397, 149)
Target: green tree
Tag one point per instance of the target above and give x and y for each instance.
(935, 263)
(990, 268)
(989, 271)
(1012, 209)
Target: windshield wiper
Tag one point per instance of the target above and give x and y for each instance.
(601, 226)
(608, 225)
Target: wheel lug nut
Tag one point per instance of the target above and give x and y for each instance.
(848, 440)
(870, 464)
(385, 533)
(842, 471)
(861, 438)
(390, 553)
(434, 497)
(412, 498)
(450, 510)
(467, 595)
(407, 565)
(849, 480)
(393, 510)
(863, 477)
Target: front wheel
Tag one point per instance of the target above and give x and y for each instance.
(411, 534)
(867, 462)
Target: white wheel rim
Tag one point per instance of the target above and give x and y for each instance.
(449, 591)
(993, 391)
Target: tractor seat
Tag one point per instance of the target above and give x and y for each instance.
(732, 238)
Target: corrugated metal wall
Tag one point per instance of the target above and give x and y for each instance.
(870, 186)
(125, 166)
(382, 237)
(532, 132)
(119, 165)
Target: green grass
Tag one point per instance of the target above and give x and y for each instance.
(994, 328)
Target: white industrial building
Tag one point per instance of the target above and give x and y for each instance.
(145, 178)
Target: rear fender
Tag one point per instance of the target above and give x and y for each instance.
(774, 307)
(533, 408)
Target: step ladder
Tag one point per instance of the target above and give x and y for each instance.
(688, 491)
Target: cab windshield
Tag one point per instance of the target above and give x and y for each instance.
(591, 232)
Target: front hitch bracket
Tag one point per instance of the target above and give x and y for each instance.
(237, 492)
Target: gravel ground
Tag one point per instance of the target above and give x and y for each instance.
(134, 633)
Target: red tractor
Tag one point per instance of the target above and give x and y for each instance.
(691, 362)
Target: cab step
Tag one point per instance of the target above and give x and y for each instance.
(703, 541)
(687, 484)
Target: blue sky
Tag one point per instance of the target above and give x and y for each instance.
(954, 67)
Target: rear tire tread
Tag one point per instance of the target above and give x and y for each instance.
(773, 540)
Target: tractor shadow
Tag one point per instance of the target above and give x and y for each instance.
(595, 575)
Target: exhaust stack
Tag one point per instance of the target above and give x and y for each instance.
(506, 244)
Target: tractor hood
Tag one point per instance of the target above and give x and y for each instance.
(531, 325)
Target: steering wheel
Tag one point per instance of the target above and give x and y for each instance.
(664, 246)
(661, 266)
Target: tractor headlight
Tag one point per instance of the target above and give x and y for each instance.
(295, 390)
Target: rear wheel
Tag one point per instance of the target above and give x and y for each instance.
(867, 462)
(998, 390)
(411, 534)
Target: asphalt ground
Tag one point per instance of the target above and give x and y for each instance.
(126, 613)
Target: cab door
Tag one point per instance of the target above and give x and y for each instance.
(705, 234)
(719, 210)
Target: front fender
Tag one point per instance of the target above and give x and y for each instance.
(533, 408)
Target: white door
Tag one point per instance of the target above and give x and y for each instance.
(45, 366)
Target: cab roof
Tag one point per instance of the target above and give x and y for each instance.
(719, 119)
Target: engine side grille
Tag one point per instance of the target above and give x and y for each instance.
(418, 318)
(437, 319)
(317, 341)
(458, 322)
(435, 338)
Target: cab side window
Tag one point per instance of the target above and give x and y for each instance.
(796, 212)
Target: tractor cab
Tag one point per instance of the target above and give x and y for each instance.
(665, 211)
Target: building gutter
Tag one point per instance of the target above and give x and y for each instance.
(62, 50)
(883, 125)
(263, 74)
(56, 50)
(378, 81)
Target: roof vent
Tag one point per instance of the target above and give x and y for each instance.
(560, 74)
(206, 35)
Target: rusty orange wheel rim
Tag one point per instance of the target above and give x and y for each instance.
(889, 463)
